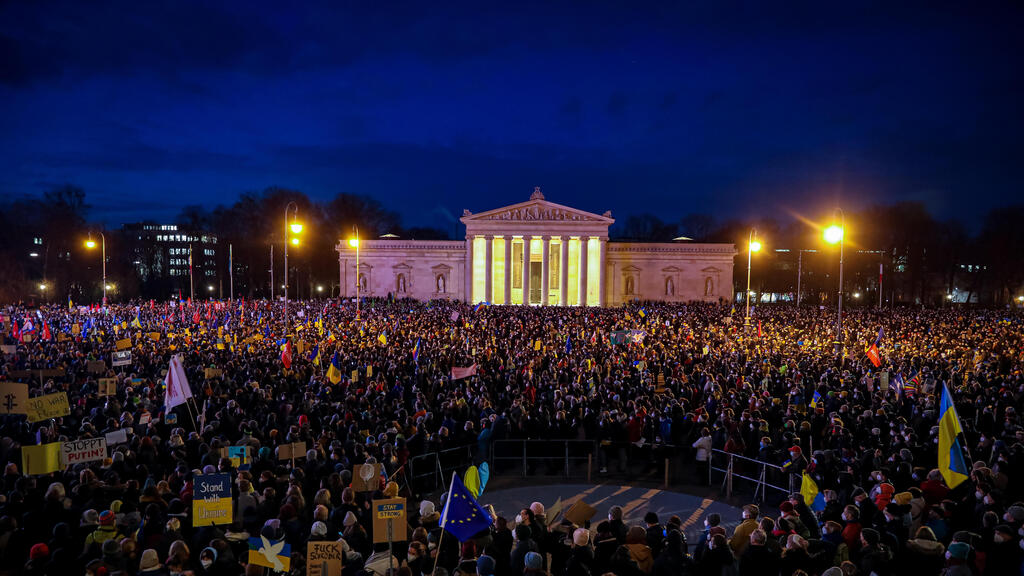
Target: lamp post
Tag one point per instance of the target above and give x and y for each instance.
(295, 227)
(799, 273)
(834, 235)
(354, 242)
(753, 245)
(90, 243)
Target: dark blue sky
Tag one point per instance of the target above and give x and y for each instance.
(432, 107)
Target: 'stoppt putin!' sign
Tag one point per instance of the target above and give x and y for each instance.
(83, 450)
(211, 500)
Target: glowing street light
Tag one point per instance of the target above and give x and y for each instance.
(42, 287)
(319, 288)
(354, 242)
(296, 227)
(753, 245)
(834, 235)
(295, 241)
(33, 254)
(108, 286)
(90, 244)
(856, 294)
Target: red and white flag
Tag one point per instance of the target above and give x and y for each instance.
(459, 373)
(176, 384)
(286, 355)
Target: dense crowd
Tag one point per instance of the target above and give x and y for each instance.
(681, 379)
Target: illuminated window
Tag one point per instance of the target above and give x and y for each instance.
(498, 271)
(479, 269)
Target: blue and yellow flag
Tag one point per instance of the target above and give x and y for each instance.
(951, 455)
(643, 313)
(814, 499)
(273, 554)
(816, 400)
(135, 322)
(314, 356)
(416, 352)
(334, 372)
(463, 517)
(383, 339)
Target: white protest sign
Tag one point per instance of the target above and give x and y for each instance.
(117, 437)
(82, 450)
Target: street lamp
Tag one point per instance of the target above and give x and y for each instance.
(296, 228)
(42, 287)
(753, 245)
(90, 244)
(834, 235)
(354, 242)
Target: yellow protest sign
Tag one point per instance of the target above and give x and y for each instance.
(124, 344)
(13, 398)
(536, 345)
(50, 406)
(42, 459)
(355, 376)
(389, 511)
(154, 336)
(369, 371)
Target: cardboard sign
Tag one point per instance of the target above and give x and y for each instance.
(389, 510)
(122, 358)
(210, 373)
(239, 455)
(82, 450)
(272, 554)
(323, 559)
(42, 459)
(154, 336)
(50, 406)
(290, 451)
(145, 418)
(883, 380)
(355, 376)
(107, 387)
(13, 398)
(211, 500)
(123, 344)
(116, 437)
(97, 367)
(9, 349)
(580, 513)
(366, 478)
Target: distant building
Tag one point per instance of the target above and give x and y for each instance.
(542, 254)
(160, 255)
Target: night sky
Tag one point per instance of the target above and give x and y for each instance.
(432, 107)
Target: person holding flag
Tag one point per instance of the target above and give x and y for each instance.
(952, 465)
(334, 370)
(286, 355)
(463, 517)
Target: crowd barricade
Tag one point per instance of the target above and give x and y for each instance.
(432, 471)
(750, 473)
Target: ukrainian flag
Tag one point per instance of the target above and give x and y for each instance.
(951, 455)
(814, 499)
(643, 313)
(383, 339)
(416, 352)
(135, 322)
(816, 400)
(334, 372)
(314, 357)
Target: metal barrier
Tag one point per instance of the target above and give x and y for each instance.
(429, 472)
(568, 457)
(737, 466)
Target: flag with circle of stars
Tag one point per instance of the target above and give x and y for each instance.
(463, 517)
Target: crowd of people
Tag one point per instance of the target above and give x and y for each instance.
(688, 379)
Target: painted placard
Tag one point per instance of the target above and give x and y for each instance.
(323, 559)
(49, 406)
(83, 450)
(211, 500)
(107, 386)
(122, 358)
(385, 510)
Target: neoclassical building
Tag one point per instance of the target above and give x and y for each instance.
(538, 253)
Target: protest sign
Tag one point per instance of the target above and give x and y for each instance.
(291, 451)
(97, 367)
(42, 459)
(122, 358)
(385, 511)
(212, 372)
(82, 450)
(107, 386)
(49, 406)
(211, 500)
(154, 336)
(116, 437)
(366, 478)
(13, 398)
(9, 349)
(273, 554)
(123, 344)
(324, 559)
(239, 455)
(580, 513)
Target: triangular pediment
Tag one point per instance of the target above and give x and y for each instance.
(630, 268)
(537, 210)
(711, 270)
(671, 269)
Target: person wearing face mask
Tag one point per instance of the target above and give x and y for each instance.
(852, 529)
(1004, 554)
(957, 556)
(207, 558)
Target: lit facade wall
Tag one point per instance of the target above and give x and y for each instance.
(498, 270)
(517, 270)
(479, 269)
(593, 271)
(574, 272)
(554, 271)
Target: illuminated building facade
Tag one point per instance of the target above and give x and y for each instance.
(541, 254)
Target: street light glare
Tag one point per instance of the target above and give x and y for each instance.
(90, 243)
(110, 286)
(42, 286)
(755, 246)
(295, 241)
(296, 227)
(353, 242)
(833, 234)
(319, 288)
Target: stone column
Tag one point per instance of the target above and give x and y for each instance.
(563, 276)
(508, 270)
(526, 270)
(602, 298)
(342, 276)
(488, 272)
(544, 276)
(468, 284)
(584, 241)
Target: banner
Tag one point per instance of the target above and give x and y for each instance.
(122, 358)
(82, 450)
(107, 387)
(459, 373)
(177, 390)
(42, 459)
(13, 398)
(211, 500)
(154, 336)
(323, 559)
(389, 510)
(50, 406)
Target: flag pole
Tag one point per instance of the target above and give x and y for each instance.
(444, 519)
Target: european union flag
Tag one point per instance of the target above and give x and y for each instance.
(463, 517)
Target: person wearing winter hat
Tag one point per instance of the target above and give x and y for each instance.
(1004, 554)
(149, 563)
(874, 556)
(106, 530)
(533, 563)
(957, 556)
(90, 518)
(207, 558)
(485, 565)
